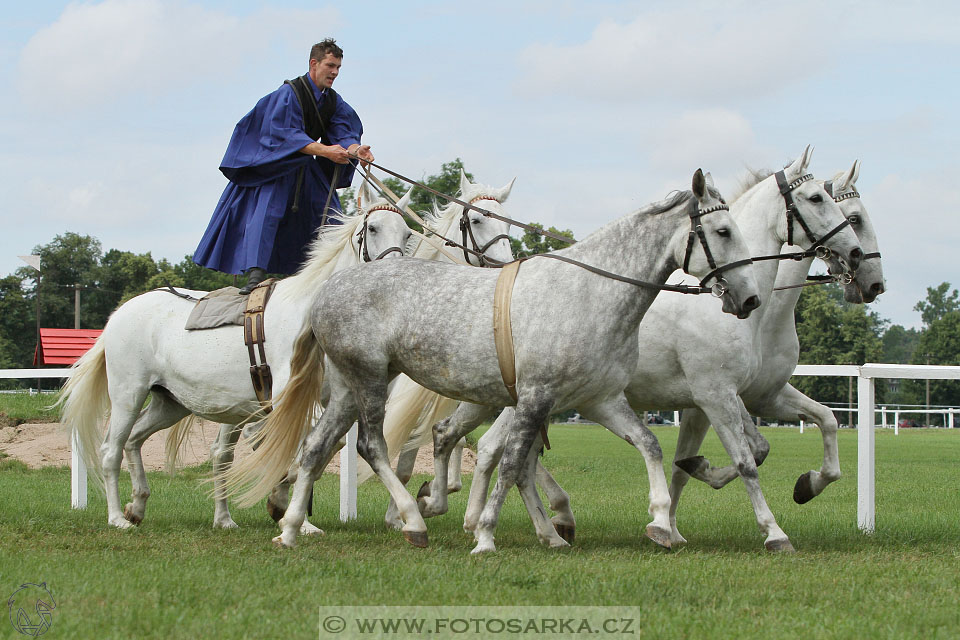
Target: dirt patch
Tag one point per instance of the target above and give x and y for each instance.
(48, 444)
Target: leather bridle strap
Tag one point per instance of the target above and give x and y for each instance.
(854, 219)
(466, 230)
(362, 236)
(466, 205)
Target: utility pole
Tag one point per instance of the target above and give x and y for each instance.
(76, 305)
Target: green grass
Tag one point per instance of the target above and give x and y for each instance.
(25, 407)
(176, 577)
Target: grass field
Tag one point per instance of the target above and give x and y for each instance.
(176, 577)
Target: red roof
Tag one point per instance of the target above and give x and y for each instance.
(64, 346)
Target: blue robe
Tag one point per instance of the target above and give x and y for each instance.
(254, 224)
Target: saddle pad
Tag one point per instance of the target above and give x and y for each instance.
(218, 308)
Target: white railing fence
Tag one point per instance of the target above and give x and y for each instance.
(865, 374)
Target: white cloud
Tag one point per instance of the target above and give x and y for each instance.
(95, 53)
(684, 54)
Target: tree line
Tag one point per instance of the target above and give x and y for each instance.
(831, 331)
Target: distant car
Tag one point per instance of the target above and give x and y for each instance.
(907, 423)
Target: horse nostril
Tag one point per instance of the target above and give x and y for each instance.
(751, 303)
(876, 288)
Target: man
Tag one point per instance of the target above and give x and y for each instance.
(281, 162)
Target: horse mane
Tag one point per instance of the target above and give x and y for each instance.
(752, 178)
(439, 220)
(322, 256)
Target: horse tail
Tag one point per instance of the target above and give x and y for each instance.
(410, 409)
(84, 403)
(173, 446)
(284, 428)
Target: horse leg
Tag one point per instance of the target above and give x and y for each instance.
(125, 409)
(489, 450)
(728, 422)
(523, 429)
(318, 447)
(719, 477)
(221, 452)
(791, 404)
(454, 481)
(164, 411)
(618, 417)
(432, 498)
(563, 521)
(693, 429)
(527, 486)
(405, 463)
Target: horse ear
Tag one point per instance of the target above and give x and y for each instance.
(699, 185)
(850, 178)
(405, 200)
(464, 181)
(799, 166)
(366, 195)
(708, 177)
(504, 192)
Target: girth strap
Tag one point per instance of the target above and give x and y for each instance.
(503, 333)
(254, 337)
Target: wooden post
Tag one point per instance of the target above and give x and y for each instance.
(866, 485)
(348, 477)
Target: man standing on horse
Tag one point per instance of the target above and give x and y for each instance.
(285, 161)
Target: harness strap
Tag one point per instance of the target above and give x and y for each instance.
(785, 191)
(254, 337)
(503, 333)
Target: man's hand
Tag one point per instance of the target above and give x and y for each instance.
(362, 152)
(336, 153)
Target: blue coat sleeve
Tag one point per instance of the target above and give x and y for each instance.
(266, 142)
(345, 130)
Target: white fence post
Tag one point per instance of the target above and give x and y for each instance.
(348, 477)
(866, 487)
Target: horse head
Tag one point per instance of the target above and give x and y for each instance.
(384, 231)
(716, 251)
(867, 282)
(480, 232)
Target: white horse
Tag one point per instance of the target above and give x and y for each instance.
(692, 356)
(770, 394)
(575, 337)
(144, 350)
(487, 241)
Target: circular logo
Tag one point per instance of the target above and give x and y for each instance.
(31, 609)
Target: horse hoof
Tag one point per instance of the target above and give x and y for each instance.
(280, 544)
(780, 546)
(275, 511)
(424, 490)
(566, 531)
(131, 516)
(803, 490)
(453, 488)
(692, 465)
(659, 535)
(416, 538)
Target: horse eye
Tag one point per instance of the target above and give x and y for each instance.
(854, 219)
(371, 229)
(475, 221)
(816, 198)
(723, 232)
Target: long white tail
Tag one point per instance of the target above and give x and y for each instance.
(410, 409)
(277, 441)
(85, 405)
(176, 437)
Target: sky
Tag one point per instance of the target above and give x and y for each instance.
(116, 113)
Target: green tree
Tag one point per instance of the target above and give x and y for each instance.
(18, 324)
(940, 301)
(832, 331)
(534, 243)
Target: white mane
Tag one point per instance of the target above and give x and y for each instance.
(324, 253)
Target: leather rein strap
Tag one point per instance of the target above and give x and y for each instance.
(503, 333)
(254, 337)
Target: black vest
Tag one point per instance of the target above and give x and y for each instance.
(315, 121)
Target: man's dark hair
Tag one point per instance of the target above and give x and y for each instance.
(320, 50)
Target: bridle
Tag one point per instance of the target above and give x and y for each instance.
(854, 219)
(362, 251)
(696, 231)
(466, 231)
